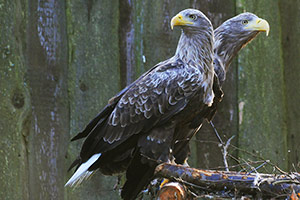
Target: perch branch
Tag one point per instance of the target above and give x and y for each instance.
(231, 183)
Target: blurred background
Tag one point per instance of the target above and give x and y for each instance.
(61, 61)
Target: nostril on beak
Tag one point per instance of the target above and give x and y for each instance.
(258, 21)
(179, 17)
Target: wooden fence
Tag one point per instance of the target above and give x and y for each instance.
(62, 60)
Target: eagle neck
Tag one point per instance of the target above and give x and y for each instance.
(196, 48)
(227, 45)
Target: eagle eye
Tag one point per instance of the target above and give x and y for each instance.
(193, 17)
(244, 22)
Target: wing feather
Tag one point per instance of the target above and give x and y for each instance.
(159, 95)
(153, 99)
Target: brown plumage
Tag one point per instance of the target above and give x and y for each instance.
(138, 128)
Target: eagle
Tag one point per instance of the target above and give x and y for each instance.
(138, 128)
(230, 37)
(143, 149)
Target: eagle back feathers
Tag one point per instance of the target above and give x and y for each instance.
(154, 99)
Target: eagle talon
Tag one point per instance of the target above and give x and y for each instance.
(163, 182)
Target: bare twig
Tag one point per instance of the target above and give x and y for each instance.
(225, 147)
(216, 132)
(261, 165)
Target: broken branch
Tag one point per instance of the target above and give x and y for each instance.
(231, 183)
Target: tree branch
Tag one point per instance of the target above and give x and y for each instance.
(231, 183)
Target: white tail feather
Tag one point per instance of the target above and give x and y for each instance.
(82, 172)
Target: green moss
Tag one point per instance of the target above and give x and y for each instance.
(14, 103)
(154, 39)
(93, 78)
(290, 49)
(261, 90)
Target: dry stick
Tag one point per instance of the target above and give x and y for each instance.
(261, 165)
(245, 151)
(260, 157)
(216, 132)
(250, 166)
(225, 152)
(225, 146)
(237, 165)
(237, 160)
(293, 165)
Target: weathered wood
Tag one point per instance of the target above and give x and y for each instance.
(261, 90)
(14, 102)
(232, 184)
(144, 27)
(172, 190)
(56, 75)
(46, 55)
(290, 29)
(126, 42)
(145, 36)
(94, 77)
(154, 40)
(207, 153)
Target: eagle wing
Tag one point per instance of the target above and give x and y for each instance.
(107, 109)
(153, 99)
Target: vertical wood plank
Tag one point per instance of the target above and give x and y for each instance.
(126, 42)
(14, 102)
(154, 39)
(94, 77)
(207, 153)
(46, 55)
(290, 29)
(261, 92)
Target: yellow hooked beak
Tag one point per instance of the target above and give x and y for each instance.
(179, 20)
(259, 25)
